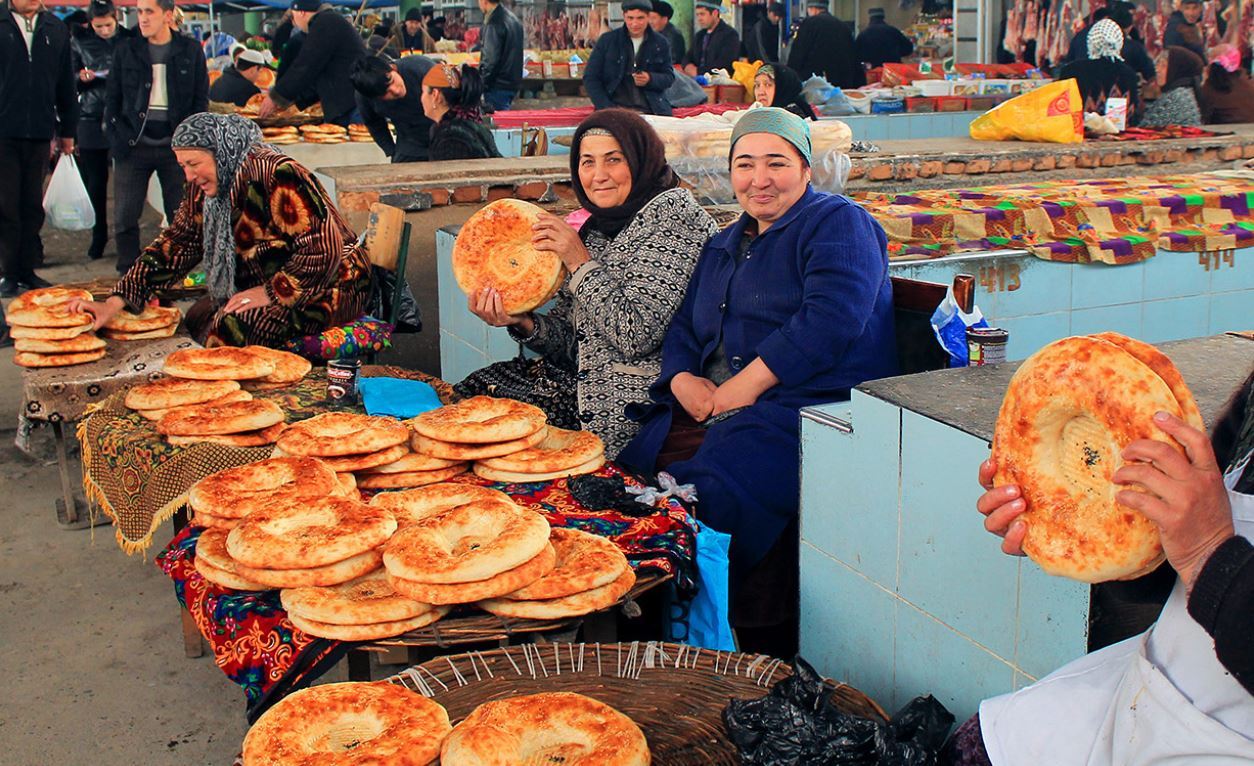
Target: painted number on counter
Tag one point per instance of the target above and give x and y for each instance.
(1000, 278)
(1217, 259)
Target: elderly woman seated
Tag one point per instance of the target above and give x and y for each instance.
(790, 306)
(629, 264)
(280, 261)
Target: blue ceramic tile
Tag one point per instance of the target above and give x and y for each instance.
(1124, 319)
(1053, 620)
(501, 345)
(931, 658)
(1236, 273)
(1029, 333)
(849, 489)
(1097, 284)
(1175, 319)
(1174, 275)
(1231, 311)
(458, 359)
(1021, 681)
(949, 565)
(846, 625)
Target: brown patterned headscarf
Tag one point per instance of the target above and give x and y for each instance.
(650, 173)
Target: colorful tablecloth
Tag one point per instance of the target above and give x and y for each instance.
(139, 480)
(255, 645)
(1115, 221)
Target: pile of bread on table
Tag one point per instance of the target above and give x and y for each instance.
(206, 395)
(46, 333)
(383, 722)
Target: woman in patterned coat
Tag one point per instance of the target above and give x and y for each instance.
(629, 265)
(280, 261)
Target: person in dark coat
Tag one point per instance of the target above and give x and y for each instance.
(716, 46)
(1134, 53)
(451, 98)
(238, 82)
(825, 46)
(330, 48)
(777, 85)
(411, 31)
(1228, 93)
(630, 67)
(788, 307)
(388, 91)
(38, 103)
(1183, 29)
(158, 80)
(1104, 74)
(92, 60)
(881, 42)
(660, 21)
(762, 39)
(501, 58)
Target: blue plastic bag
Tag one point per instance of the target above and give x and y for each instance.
(950, 324)
(708, 625)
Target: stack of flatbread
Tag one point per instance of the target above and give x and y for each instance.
(152, 322)
(232, 418)
(494, 249)
(223, 499)
(45, 332)
(555, 727)
(359, 134)
(559, 454)
(1069, 412)
(367, 608)
(477, 428)
(281, 136)
(153, 400)
(289, 368)
(351, 444)
(347, 723)
(325, 133)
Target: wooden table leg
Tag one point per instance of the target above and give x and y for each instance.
(193, 645)
(68, 516)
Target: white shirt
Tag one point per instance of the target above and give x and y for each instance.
(27, 28)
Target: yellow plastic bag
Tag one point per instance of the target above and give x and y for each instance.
(744, 72)
(1052, 113)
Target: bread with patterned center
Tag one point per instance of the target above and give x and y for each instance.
(470, 542)
(373, 631)
(27, 359)
(335, 434)
(480, 420)
(367, 599)
(455, 451)
(151, 318)
(584, 561)
(229, 418)
(559, 450)
(221, 363)
(168, 393)
(574, 605)
(237, 492)
(514, 477)
(309, 533)
(348, 723)
(550, 728)
(77, 345)
(1070, 410)
(1164, 368)
(470, 592)
(410, 479)
(410, 506)
(494, 249)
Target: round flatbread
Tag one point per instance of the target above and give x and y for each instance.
(510, 477)
(288, 367)
(234, 396)
(554, 727)
(216, 566)
(237, 492)
(1070, 410)
(350, 463)
(151, 318)
(331, 574)
(413, 461)
(348, 723)
(368, 632)
(230, 418)
(213, 522)
(1164, 368)
(48, 297)
(409, 479)
(77, 345)
(19, 332)
(452, 451)
(575, 605)
(584, 561)
(225, 579)
(471, 542)
(558, 451)
(480, 420)
(262, 438)
(470, 592)
(367, 599)
(168, 393)
(413, 505)
(494, 249)
(309, 533)
(160, 332)
(48, 307)
(335, 434)
(27, 359)
(222, 363)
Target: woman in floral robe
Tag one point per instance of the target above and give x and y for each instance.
(280, 261)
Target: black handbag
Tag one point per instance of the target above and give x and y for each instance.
(533, 381)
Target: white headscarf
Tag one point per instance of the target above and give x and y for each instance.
(1105, 41)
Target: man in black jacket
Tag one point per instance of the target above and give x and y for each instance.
(660, 21)
(762, 39)
(1183, 30)
(410, 33)
(329, 51)
(393, 91)
(37, 103)
(158, 80)
(716, 46)
(238, 82)
(825, 46)
(631, 67)
(1134, 53)
(93, 59)
(501, 57)
(881, 42)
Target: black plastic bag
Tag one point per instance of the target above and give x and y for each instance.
(797, 725)
(408, 315)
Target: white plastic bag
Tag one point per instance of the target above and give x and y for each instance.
(66, 201)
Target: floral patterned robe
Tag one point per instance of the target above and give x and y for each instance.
(289, 238)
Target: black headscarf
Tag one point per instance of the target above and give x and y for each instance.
(787, 91)
(646, 157)
(1184, 69)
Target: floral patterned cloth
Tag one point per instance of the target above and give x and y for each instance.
(359, 338)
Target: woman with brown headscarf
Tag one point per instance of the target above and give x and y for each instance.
(629, 266)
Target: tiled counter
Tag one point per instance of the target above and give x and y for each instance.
(903, 592)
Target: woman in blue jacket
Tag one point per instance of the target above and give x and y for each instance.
(790, 306)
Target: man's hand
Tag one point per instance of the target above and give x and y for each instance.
(86, 75)
(641, 79)
(267, 108)
(67, 145)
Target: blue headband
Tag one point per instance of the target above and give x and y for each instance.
(777, 122)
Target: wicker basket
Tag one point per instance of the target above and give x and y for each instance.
(675, 693)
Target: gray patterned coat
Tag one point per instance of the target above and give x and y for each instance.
(613, 312)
